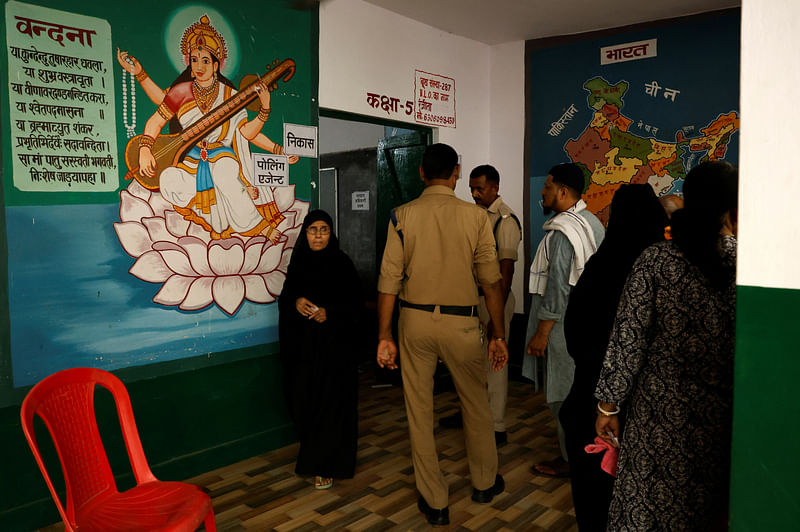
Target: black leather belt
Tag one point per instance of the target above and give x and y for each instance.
(455, 310)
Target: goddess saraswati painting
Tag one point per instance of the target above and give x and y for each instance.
(180, 254)
(193, 216)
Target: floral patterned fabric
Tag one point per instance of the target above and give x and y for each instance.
(669, 364)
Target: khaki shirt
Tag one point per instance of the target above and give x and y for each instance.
(445, 241)
(508, 233)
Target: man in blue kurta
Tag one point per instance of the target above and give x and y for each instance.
(571, 237)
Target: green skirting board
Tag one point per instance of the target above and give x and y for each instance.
(765, 469)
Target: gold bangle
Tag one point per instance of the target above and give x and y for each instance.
(277, 149)
(164, 111)
(263, 114)
(146, 142)
(141, 76)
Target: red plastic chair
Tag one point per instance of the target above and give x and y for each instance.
(65, 402)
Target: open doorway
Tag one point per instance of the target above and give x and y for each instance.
(367, 167)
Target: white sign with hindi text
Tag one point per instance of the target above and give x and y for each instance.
(360, 200)
(630, 51)
(270, 170)
(299, 140)
(435, 97)
(62, 129)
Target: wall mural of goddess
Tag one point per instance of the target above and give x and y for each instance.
(192, 216)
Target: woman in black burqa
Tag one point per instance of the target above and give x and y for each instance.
(669, 363)
(636, 221)
(319, 307)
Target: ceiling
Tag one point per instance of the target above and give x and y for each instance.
(499, 21)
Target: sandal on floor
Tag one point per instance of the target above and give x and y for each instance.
(322, 483)
(557, 468)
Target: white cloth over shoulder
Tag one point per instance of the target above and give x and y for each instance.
(579, 233)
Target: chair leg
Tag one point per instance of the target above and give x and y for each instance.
(210, 523)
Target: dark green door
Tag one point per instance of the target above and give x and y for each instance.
(399, 159)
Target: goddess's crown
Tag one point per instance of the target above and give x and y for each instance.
(202, 35)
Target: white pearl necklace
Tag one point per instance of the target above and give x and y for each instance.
(131, 128)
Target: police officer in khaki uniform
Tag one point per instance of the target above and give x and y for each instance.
(484, 183)
(435, 248)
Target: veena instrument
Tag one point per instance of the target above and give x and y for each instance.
(169, 150)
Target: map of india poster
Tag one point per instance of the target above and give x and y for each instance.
(641, 106)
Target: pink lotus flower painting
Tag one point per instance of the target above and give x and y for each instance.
(195, 271)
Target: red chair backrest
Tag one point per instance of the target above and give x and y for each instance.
(65, 402)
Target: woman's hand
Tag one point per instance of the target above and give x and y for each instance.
(319, 316)
(305, 307)
(293, 159)
(128, 62)
(263, 94)
(147, 163)
(251, 130)
(607, 428)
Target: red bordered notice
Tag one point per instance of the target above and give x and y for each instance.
(435, 98)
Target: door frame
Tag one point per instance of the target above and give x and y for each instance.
(335, 214)
(355, 117)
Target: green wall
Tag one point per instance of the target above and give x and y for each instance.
(765, 493)
(193, 414)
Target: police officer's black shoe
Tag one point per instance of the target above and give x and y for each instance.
(435, 517)
(452, 422)
(486, 496)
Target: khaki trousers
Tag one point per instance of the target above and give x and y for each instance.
(426, 337)
(497, 380)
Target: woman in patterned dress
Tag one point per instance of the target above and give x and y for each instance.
(669, 364)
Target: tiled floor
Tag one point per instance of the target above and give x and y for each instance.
(262, 493)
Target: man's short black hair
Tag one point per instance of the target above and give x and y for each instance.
(570, 175)
(438, 161)
(488, 170)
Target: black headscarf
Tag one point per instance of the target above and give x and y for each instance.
(636, 220)
(711, 190)
(302, 251)
(315, 274)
